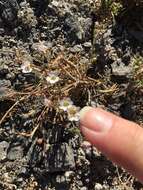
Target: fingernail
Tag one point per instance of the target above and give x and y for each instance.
(84, 110)
(95, 119)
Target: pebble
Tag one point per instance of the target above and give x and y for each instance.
(83, 188)
(98, 186)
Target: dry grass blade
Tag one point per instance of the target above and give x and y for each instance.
(38, 121)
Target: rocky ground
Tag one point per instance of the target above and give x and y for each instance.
(38, 151)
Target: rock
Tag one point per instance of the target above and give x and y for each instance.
(10, 76)
(3, 150)
(69, 175)
(76, 49)
(39, 6)
(54, 134)
(87, 45)
(61, 183)
(73, 28)
(3, 70)
(121, 72)
(59, 158)
(8, 11)
(14, 153)
(127, 111)
(83, 188)
(98, 186)
(138, 35)
(5, 83)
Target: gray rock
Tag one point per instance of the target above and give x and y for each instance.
(83, 188)
(87, 44)
(3, 150)
(73, 28)
(76, 49)
(15, 153)
(10, 76)
(120, 69)
(5, 83)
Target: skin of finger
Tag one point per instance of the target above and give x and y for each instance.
(123, 143)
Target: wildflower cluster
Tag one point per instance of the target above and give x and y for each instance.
(66, 105)
(60, 79)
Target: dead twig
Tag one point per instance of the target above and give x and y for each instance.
(12, 107)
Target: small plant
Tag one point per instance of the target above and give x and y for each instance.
(107, 9)
(138, 70)
(61, 83)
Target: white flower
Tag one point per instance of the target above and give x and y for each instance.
(65, 104)
(26, 67)
(52, 78)
(73, 113)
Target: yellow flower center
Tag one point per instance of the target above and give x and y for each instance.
(66, 103)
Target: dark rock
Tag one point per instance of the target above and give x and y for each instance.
(55, 134)
(126, 58)
(3, 71)
(39, 6)
(138, 35)
(8, 11)
(59, 158)
(61, 183)
(54, 158)
(127, 111)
